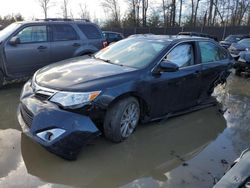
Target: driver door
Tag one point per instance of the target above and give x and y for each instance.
(175, 91)
(31, 53)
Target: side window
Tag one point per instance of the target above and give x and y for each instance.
(113, 36)
(90, 31)
(211, 52)
(33, 34)
(182, 55)
(64, 32)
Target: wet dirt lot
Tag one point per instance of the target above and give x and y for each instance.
(191, 150)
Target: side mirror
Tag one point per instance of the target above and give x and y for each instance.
(168, 66)
(14, 41)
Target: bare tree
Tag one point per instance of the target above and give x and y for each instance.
(112, 7)
(210, 13)
(64, 8)
(173, 12)
(84, 13)
(45, 5)
(144, 12)
(196, 10)
(180, 12)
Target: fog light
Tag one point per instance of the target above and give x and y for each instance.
(51, 134)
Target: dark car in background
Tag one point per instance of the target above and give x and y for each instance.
(232, 39)
(111, 36)
(138, 79)
(243, 63)
(27, 46)
(238, 47)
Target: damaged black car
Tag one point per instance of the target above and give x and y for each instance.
(139, 79)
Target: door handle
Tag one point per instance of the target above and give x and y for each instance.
(76, 45)
(197, 73)
(42, 48)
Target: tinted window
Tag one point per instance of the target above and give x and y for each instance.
(33, 34)
(182, 55)
(64, 33)
(211, 52)
(90, 31)
(245, 42)
(113, 36)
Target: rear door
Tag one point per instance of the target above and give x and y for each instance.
(92, 34)
(65, 42)
(32, 53)
(214, 60)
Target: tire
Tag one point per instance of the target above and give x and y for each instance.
(121, 119)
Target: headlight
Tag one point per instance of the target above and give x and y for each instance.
(74, 100)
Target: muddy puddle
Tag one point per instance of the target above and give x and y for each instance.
(192, 150)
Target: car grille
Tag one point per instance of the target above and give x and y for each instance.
(26, 115)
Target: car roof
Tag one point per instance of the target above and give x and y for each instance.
(169, 38)
(56, 22)
(111, 32)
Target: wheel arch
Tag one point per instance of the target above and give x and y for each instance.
(144, 106)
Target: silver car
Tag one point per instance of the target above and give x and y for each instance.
(28, 46)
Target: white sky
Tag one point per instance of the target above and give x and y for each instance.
(31, 8)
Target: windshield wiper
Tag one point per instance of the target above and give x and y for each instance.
(107, 61)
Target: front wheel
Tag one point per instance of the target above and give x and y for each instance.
(121, 119)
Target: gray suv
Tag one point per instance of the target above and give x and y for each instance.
(28, 46)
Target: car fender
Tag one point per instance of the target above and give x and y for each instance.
(111, 95)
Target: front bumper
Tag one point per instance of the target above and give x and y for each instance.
(37, 116)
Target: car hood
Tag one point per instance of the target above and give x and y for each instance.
(245, 56)
(236, 46)
(81, 74)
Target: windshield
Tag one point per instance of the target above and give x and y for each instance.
(232, 38)
(8, 30)
(135, 52)
(245, 42)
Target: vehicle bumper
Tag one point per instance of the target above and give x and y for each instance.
(72, 130)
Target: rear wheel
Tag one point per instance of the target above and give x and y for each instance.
(121, 119)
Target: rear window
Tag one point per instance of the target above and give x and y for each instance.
(90, 31)
(64, 33)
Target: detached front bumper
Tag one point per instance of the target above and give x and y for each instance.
(60, 131)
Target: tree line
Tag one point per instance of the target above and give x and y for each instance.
(153, 13)
(8, 19)
(172, 13)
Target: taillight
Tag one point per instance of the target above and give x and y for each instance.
(104, 44)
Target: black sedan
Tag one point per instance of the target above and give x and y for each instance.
(139, 79)
(232, 39)
(111, 36)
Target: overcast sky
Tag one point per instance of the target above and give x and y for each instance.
(31, 8)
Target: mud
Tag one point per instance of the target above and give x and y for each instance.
(192, 150)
